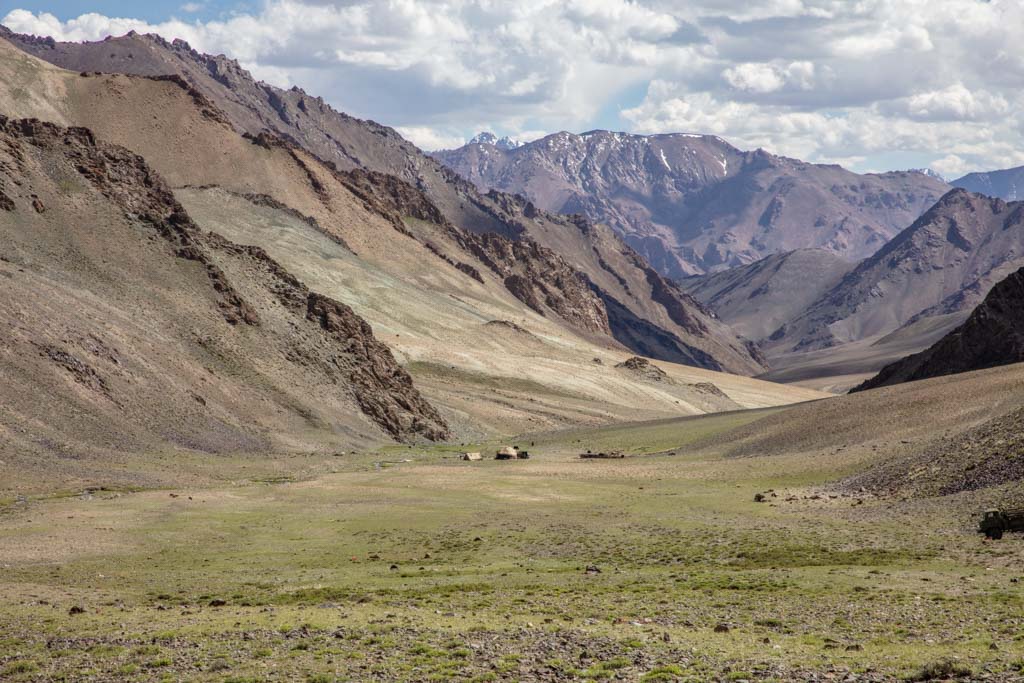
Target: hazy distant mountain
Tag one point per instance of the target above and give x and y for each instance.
(944, 263)
(645, 312)
(1007, 184)
(756, 299)
(993, 335)
(694, 204)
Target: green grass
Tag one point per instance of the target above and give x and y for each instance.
(436, 569)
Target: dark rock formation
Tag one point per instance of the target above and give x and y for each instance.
(993, 335)
(644, 368)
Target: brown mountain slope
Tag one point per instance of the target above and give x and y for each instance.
(427, 293)
(756, 299)
(938, 436)
(934, 437)
(988, 455)
(993, 335)
(942, 264)
(694, 204)
(647, 314)
(127, 329)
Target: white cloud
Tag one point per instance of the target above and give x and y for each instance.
(955, 103)
(950, 166)
(821, 79)
(431, 139)
(766, 78)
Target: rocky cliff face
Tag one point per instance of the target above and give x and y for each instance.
(993, 335)
(942, 264)
(600, 259)
(50, 173)
(694, 204)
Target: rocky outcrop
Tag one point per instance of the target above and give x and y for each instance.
(645, 369)
(383, 389)
(993, 335)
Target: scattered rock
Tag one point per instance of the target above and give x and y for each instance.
(722, 628)
(76, 609)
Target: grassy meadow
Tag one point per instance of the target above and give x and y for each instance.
(408, 564)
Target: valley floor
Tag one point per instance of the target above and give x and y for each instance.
(409, 564)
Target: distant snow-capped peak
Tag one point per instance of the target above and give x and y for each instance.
(487, 138)
(929, 172)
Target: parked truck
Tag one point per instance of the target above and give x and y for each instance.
(995, 522)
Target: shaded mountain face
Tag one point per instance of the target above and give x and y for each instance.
(992, 335)
(644, 312)
(125, 327)
(756, 299)
(693, 204)
(1007, 184)
(943, 264)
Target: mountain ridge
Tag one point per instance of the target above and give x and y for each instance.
(1006, 184)
(330, 351)
(694, 203)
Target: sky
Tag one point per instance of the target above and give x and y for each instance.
(870, 84)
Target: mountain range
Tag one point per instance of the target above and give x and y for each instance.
(767, 287)
(694, 204)
(816, 316)
(942, 264)
(646, 312)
